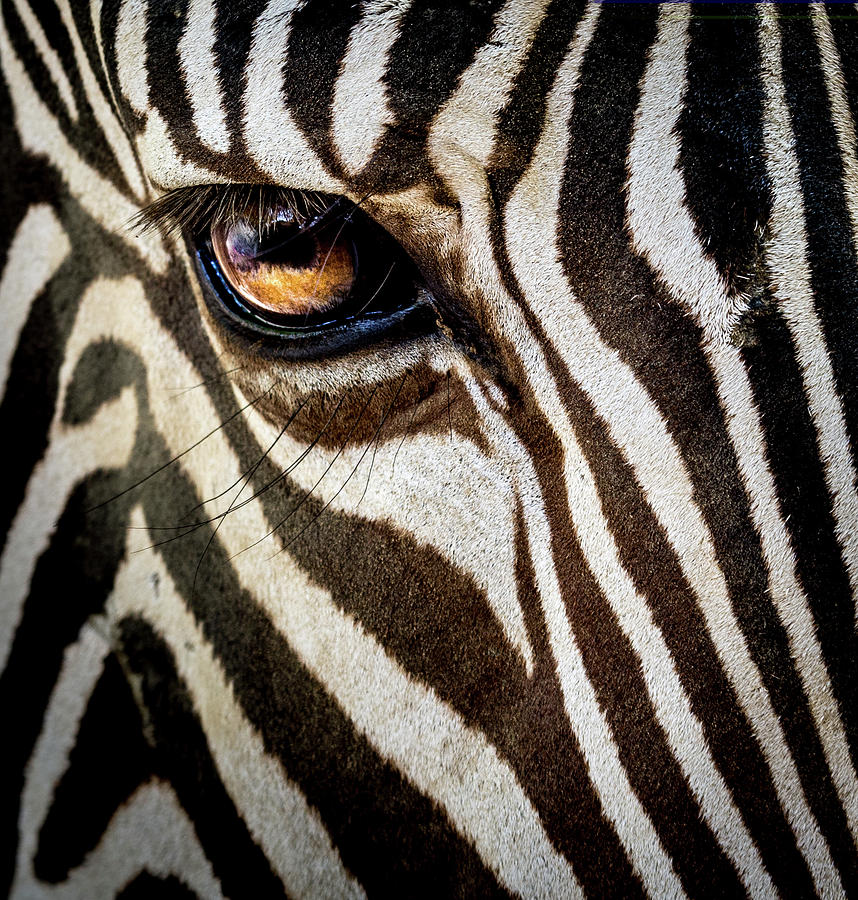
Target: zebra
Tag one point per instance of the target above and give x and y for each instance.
(431, 448)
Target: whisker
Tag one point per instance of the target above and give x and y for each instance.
(250, 474)
(170, 462)
(318, 482)
(349, 478)
(378, 289)
(410, 424)
(253, 468)
(178, 392)
(376, 439)
(265, 487)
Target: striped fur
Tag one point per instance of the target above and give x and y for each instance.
(554, 599)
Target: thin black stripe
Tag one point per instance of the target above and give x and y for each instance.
(436, 44)
(521, 121)
(721, 153)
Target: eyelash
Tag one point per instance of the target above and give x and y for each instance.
(191, 209)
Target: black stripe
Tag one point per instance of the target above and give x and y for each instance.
(183, 758)
(721, 150)
(108, 761)
(318, 39)
(436, 44)
(145, 886)
(96, 154)
(234, 25)
(520, 122)
(663, 349)
(615, 671)
(803, 497)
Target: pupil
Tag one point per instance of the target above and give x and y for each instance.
(284, 244)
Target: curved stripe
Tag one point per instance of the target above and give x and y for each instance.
(489, 554)
(49, 57)
(360, 111)
(288, 830)
(81, 669)
(199, 67)
(38, 249)
(466, 125)
(406, 722)
(150, 832)
(788, 262)
(104, 442)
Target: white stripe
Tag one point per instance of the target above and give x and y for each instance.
(49, 57)
(131, 27)
(360, 111)
(656, 213)
(788, 261)
(40, 133)
(464, 131)
(289, 831)
(196, 50)
(38, 249)
(638, 430)
(406, 722)
(460, 160)
(111, 128)
(663, 231)
(841, 113)
(273, 139)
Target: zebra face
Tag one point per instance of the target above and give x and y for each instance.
(440, 424)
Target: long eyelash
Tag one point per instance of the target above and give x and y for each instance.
(192, 208)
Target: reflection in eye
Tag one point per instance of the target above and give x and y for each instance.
(279, 266)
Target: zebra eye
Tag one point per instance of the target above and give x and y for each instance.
(303, 274)
(281, 270)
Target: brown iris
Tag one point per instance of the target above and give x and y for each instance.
(278, 266)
